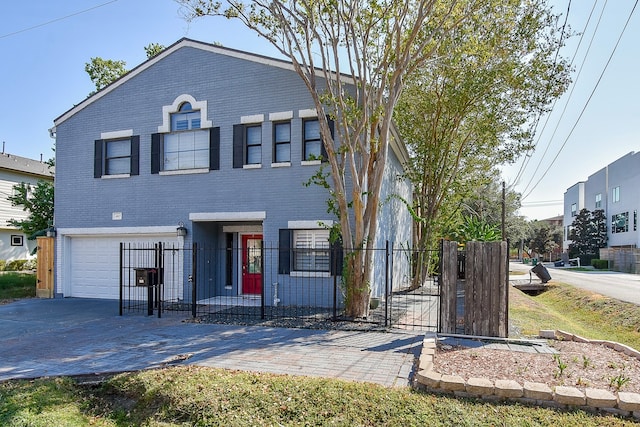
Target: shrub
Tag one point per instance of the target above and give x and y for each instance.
(3, 264)
(600, 264)
(15, 265)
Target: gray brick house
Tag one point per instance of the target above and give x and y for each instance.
(216, 142)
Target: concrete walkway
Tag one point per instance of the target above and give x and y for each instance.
(83, 336)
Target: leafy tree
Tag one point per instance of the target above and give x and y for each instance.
(354, 58)
(152, 49)
(544, 238)
(103, 72)
(474, 229)
(588, 233)
(37, 200)
(473, 107)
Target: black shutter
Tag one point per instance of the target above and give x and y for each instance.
(284, 251)
(238, 146)
(323, 151)
(336, 259)
(156, 138)
(135, 155)
(97, 158)
(214, 148)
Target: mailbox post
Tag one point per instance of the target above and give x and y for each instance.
(148, 277)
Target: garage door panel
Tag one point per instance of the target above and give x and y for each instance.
(95, 264)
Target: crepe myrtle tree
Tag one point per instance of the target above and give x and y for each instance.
(353, 57)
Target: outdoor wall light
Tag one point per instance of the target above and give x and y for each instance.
(181, 231)
(51, 232)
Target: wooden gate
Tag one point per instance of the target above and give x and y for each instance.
(475, 296)
(44, 284)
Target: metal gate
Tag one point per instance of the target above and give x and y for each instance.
(204, 283)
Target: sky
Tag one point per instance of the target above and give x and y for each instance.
(45, 44)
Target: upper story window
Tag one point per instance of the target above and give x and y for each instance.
(620, 223)
(311, 142)
(187, 118)
(574, 209)
(185, 141)
(599, 201)
(282, 142)
(247, 142)
(253, 142)
(116, 154)
(615, 194)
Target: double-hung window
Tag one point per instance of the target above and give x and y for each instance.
(116, 157)
(185, 142)
(312, 142)
(282, 142)
(574, 209)
(599, 201)
(247, 143)
(253, 145)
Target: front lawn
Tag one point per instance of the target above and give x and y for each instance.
(17, 285)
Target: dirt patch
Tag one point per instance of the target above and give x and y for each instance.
(580, 365)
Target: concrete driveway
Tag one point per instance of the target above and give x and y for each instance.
(84, 336)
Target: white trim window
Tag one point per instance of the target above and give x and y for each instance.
(311, 250)
(615, 194)
(185, 142)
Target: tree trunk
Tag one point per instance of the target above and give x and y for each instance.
(357, 286)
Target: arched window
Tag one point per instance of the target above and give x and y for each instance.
(185, 141)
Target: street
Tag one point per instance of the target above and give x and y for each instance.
(622, 286)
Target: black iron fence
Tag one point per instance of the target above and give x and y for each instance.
(250, 285)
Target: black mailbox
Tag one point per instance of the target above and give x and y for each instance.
(146, 276)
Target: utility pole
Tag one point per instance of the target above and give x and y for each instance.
(504, 210)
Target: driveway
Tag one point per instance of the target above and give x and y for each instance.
(83, 336)
(621, 286)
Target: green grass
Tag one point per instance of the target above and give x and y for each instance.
(17, 285)
(196, 396)
(580, 312)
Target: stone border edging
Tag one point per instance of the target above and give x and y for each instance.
(530, 393)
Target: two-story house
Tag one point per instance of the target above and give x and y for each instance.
(15, 170)
(614, 189)
(210, 145)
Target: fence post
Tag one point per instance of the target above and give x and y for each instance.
(160, 276)
(386, 285)
(121, 276)
(194, 281)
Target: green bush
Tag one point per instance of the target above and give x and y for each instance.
(3, 264)
(600, 264)
(15, 265)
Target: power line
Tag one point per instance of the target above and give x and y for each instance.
(534, 126)
(575, 83)
(56, 20)
(588, 99)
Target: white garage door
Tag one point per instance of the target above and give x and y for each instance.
(95, 264)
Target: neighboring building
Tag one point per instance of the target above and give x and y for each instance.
(16, 170)
(613, 189)
(215, 141)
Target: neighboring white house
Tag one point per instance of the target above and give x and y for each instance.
(613, 189)
(15, 170)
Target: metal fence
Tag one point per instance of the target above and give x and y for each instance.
(248, 285)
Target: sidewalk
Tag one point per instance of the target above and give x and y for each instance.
(83, 336)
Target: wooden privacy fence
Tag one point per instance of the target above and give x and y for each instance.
(44, 273)
(475, 289)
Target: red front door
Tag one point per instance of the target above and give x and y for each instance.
(252, 264)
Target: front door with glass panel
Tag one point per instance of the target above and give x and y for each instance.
(252, 264)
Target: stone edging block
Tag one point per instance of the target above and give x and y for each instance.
(534, 393)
